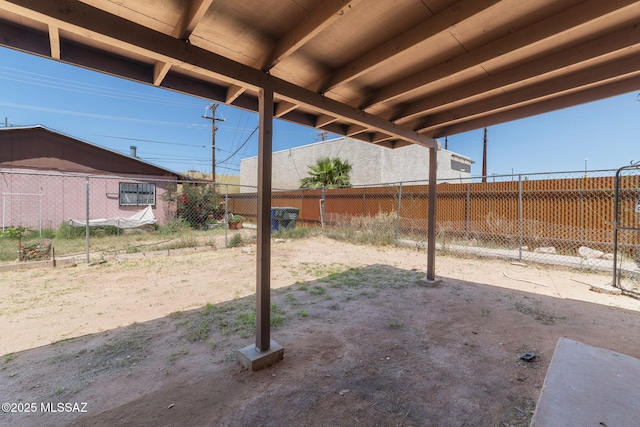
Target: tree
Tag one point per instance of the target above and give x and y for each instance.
(328, 172)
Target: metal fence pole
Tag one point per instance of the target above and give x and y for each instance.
(467, 214)
(322, 195)
(86, 229)
(40, 216)
(399, 208)
(520, 218)
(226, 215)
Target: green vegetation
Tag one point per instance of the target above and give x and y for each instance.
(67, 240)
(328, 172)
(296, 233)
(198, 205)
(235, 241)
(13, 232)
(236, 218)
(371, 230)
(536, 311)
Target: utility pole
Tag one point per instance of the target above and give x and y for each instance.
(322, 136)
(213, 119)
(484, 157)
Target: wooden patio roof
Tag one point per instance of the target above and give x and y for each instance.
(389, 72)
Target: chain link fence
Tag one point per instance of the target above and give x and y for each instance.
(94, 216)
(563, 218)
(556, 218)
(627, 229)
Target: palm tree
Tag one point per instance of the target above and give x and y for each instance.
(328, 172)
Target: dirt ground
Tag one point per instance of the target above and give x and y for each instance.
(152, 340)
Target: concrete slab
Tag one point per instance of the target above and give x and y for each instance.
(589, 386)
(427, 283)
(254, 360)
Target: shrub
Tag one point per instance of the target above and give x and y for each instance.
(196, 204)
(13, 232)
(66, 231)
(235, 241)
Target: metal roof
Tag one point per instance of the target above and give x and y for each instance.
(390, 72)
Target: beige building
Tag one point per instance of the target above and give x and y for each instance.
(371, 164)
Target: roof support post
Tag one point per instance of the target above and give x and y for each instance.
(265, 352)
(431, 215)
(263, 281)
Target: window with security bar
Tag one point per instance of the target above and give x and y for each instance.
(135, 194)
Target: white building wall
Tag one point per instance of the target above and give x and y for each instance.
(371, 164)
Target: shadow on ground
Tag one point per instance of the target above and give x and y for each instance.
(366, 346)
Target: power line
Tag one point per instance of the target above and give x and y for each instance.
(92, 89)
(151, 140)
(99, 116)
(239, 148)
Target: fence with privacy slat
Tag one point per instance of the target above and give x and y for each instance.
(561, 218)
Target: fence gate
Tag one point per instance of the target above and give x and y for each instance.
(626, 235)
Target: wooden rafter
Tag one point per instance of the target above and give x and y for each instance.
(420, 33)
(312, 24)
(563, 62)
(553, 28)
(54, 41)
(188, 21)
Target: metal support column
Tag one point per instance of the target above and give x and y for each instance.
(431, 216)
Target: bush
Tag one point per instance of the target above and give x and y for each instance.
(374, 230)
(235, 241)
(296, 233)
(173, 226)
(13, 232)
(196, 204)
(66, 231)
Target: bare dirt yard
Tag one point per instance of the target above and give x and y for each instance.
(152, 340)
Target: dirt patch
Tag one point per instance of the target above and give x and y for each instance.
(152, 340)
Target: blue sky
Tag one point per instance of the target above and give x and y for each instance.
(168, 128)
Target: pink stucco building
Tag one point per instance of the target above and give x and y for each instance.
(44, 177)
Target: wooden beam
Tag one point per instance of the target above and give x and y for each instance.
(575, 82)
(392, 144)
(431, 215)
(233, 92)
(320, 18)
(87, 21)
(554, 27)
(284, 107)
(324, 119)
(190, 18)
(613, 88)
(54, 41)
(380, 137)
(355, 130)
(569, 60)
(263, 252)
(160, 70)
(419, 34)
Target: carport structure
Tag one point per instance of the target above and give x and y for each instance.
(389, 72)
